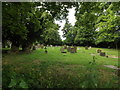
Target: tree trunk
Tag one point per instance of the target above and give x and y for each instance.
(27, 48)
(3, 44)
(15, 48)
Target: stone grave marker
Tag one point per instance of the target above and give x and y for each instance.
(65, 47)
(102, 54)
(113, 67)
(38, 45)
(75, 49)
(78, 48)
(72, 50)
(46, 50)
(42, 46)
(99, 51)
(89, 47)
(34, 48)
(68, 48)
(62, 50)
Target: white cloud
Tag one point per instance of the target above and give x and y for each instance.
(61, 23)
(71, 16)
(71, 19)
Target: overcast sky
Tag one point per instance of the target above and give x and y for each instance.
(71, 19)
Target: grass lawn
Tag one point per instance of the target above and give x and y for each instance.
(58, 70)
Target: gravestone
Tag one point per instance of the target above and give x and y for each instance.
(62, 50)
(46, 50)
(102, 54)
(72, 50)
(42, 46)
(89, 47)
(75, 48)
(38, 45)
(34, 48)
(99, 51)
(68, 48)
(65, 47)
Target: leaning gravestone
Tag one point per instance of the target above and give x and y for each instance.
(102, 54)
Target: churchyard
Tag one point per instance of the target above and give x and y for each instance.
(60, 44)
(81, 69)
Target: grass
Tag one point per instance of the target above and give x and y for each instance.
(56, 70)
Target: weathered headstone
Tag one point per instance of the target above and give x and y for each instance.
(46, 50)
(72, 50)
(65, 47)
(75, 48)
(42, 46)
(89, 47)
(38, 45)
(102, 54)
(99, 51)
(34, 48)
(62, 50)
(68, 48)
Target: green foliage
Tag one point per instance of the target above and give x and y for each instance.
(32, 21)
(51, 35)
(97, 23)
(69, 32)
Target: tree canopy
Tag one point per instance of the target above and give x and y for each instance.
(24, 23)
(97, 24)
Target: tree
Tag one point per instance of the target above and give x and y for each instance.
(108, 24)
(14, 20)
(31, 21)
(51, 35)
(86, 17)
(69, 32)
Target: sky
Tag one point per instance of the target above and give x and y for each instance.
(71, 19)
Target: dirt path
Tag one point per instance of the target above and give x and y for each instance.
(111, 56)
(111, 66)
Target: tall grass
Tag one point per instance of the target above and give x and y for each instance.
(55, 70)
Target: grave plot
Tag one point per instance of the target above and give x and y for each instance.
(73, 49)
(68, 48)
(62, 50)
